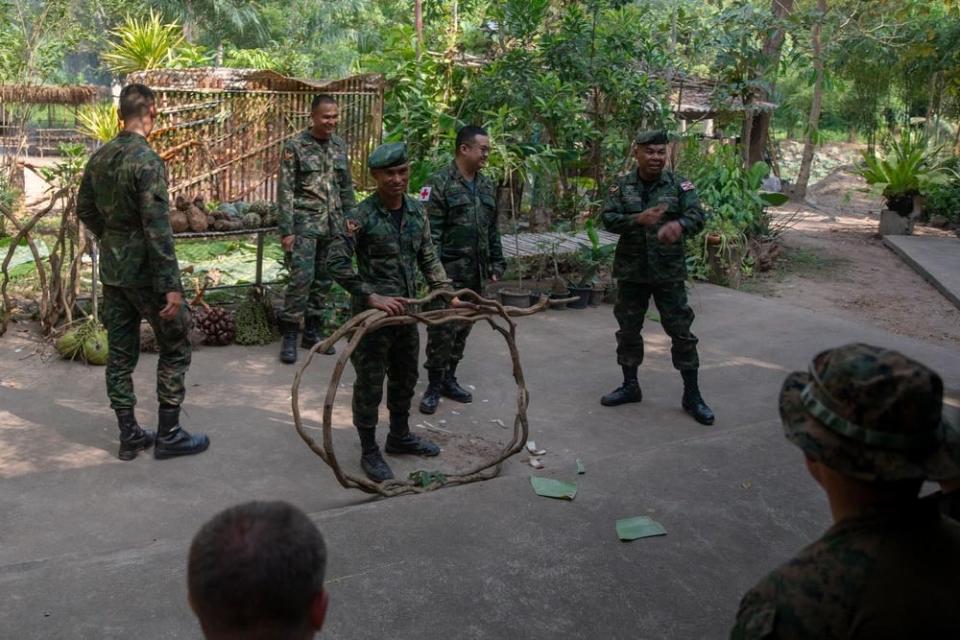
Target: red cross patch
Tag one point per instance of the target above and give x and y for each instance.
(686, 185)
(425, 194)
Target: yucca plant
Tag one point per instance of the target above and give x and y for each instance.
(99, 121)
(910, 165)
(143, 44)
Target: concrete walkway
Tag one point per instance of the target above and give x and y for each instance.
(936, 259)
(94, 548)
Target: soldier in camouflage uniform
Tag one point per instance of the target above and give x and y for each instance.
(390, 235)
(870, 422)
(462, 206)
(653, 209)
(123, 200)
(314, 191)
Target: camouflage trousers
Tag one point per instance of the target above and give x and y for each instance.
(123, 309)
(676, 316)
(310, 280)
(390, 352)
(446, 342)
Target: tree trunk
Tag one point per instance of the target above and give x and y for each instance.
(418, 24)
(747, 131)
(806, 162)
(760, 131)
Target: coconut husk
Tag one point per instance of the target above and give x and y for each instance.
(182, 204)
(197, 219)
(179, 222)
(228, 225)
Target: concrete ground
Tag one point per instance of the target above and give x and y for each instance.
(94, 548)
(936, 259)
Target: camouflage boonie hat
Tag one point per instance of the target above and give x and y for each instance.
(873, 414)
(388, 155)
(654, 136)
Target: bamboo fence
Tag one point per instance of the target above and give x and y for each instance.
(221, 131)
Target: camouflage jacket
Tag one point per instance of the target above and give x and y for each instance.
(464, 226)
(640, 257)
(123, 200)
(886, 574)
(315, 188)
(387, 260)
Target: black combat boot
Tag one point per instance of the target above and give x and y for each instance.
(400, 440)
(132, 438)
(452, 388)
(174, 441)
(311, 335)
(431, 397)
(629, 391)
(692, 400)
(371, 460)
(288, 348)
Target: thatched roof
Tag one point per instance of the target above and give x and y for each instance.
(694, 98)
(51, 94)
(226, 79)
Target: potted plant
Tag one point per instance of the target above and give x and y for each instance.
(593, 258)
(909, 166)
(723, 249)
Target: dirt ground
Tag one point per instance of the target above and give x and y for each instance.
(835, 262)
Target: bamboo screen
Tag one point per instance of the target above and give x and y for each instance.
(221, 131)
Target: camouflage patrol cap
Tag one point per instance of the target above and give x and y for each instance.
(388, 155)
(652, 136)
(873, 414)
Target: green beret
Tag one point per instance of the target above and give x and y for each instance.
(388, 155)
(653, 136)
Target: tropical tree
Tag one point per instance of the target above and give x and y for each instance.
(140, 44)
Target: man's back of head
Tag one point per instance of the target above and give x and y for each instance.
(256, 571)
(871, 424)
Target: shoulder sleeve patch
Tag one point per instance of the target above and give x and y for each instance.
(614, 189)
(686, 185)
(425, 193)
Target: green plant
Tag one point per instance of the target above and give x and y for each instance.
(736, 209)
(594, 257)
(99, 121)
(910, 165)
(942, 200)
(142, 44)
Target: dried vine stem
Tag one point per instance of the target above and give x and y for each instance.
(490, 311)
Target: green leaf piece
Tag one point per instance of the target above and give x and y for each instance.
(423, 478)
(774, 198)
(550, 488)
(640, 527)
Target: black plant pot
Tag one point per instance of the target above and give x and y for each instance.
(560, 296)
(583, 297)
(902, 204)
(596, 297)
(515, 298)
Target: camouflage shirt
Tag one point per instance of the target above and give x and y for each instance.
(464, 226)
(123, 200)
(315, 187)
(387, 258)
(887, 574)
(640, 257)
